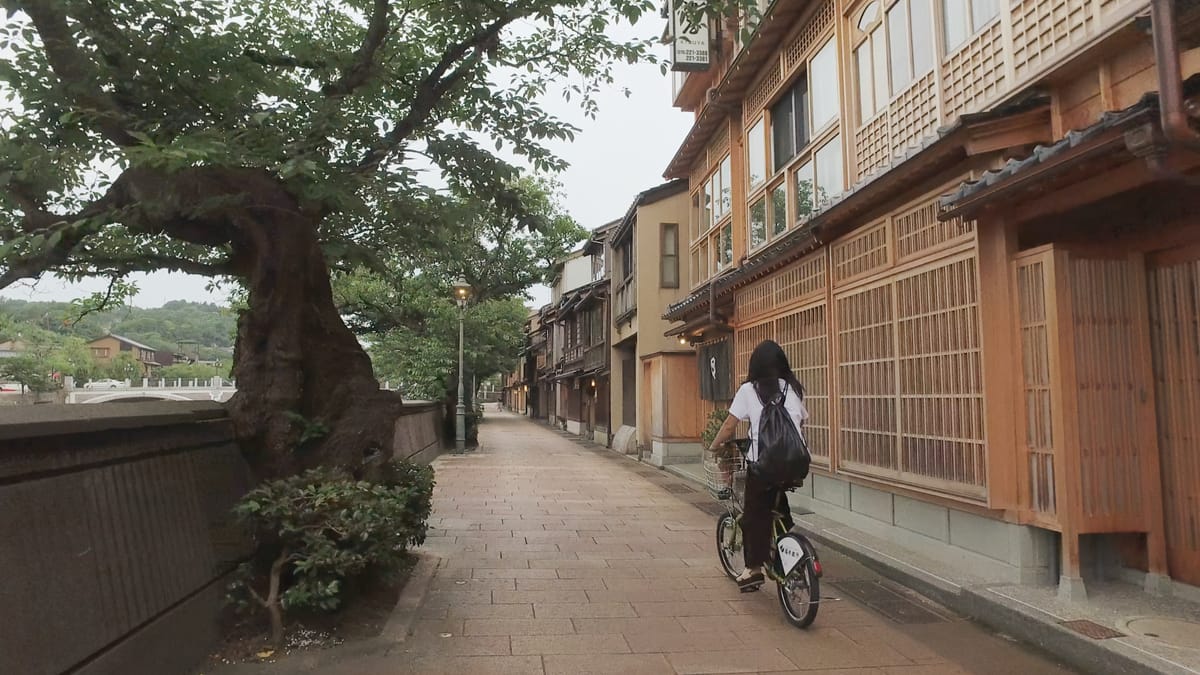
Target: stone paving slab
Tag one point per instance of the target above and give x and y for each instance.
(559, 558)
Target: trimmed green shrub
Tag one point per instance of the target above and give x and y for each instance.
(322, 527)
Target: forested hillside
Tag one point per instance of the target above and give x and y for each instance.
(211, 326)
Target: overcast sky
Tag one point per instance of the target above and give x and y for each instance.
(620, 153)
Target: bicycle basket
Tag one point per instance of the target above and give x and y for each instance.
(725, 477)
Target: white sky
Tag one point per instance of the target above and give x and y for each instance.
(620, 153)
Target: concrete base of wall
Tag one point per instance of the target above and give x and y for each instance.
(663, 453)
(600, 436)
(574, 427)
(176, 641)
(996, 550)
(625, 440)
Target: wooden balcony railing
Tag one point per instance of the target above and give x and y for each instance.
(596, 356)
(572, 356)
(626, 300)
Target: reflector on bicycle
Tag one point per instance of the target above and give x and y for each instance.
(790, 553)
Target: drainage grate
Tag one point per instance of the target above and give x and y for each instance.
(1091, 629)
(711, 508)
(895, 606)
(678, 488)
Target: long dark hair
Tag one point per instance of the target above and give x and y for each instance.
(768, 365)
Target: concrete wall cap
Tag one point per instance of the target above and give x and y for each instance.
(57, 420)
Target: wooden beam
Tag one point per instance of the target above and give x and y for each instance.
(1146, 417)
(997, 242)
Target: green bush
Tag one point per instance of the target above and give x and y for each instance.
(715, 419)
(322, 528)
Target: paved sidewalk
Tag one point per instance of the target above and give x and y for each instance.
(553, 557)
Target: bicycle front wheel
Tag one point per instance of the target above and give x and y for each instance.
(729, 545)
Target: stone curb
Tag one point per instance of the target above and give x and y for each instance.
(415, 589)
(1028, 625)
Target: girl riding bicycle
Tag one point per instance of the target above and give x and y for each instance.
(770, 374)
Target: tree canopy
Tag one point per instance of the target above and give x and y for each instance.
(270, 141)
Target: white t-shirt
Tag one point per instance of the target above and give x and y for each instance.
(746, 406)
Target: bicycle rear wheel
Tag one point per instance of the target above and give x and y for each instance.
(800, 591)
(729, 545)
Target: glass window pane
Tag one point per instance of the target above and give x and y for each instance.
(881, 68)
(670, 239)
(756, 154)
(823, 79)
(830, 181)
(706, 221)
(868, 16)
(866, 83)
(897, 35)
(727, 244)
(954, 13)
(758, 223)
(694, 228)
(800, 112)
(982, 13)
(802, 181)
(726, 185)
(782, 125)
(778, 209)
(921, 20)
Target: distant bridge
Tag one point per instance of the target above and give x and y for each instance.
(216, 389)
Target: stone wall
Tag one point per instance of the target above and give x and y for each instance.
(116, 536)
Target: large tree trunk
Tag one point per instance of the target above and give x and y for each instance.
(307, 395)
(300, 371)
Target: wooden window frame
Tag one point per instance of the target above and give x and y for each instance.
(878, 30)
(668, 232)
(969, 29)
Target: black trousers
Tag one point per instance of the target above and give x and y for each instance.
(760, 499)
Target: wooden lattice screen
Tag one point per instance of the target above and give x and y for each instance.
(1175, 330)
(1106, 323)
(798, 283)
(803, 334)
(1034, 325)
(910, 378)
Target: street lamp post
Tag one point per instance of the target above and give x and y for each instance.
(462, 291)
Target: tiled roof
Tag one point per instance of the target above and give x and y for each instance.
(1146, 106)
(132, 343)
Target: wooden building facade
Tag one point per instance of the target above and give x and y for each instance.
(971, 226)
(658, 423)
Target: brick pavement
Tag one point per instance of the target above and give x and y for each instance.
(560, 559)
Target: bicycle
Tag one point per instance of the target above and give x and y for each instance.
(794, 565)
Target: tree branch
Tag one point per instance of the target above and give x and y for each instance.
(356, 74)
(74, 71)
(282, 61)
(440, 80)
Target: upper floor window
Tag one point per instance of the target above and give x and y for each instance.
(669, 275)
(823, 75)
(756, 154)
(894, 46)
(789, 123)
(964, 18)
(820, 179)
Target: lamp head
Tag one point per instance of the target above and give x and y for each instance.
(462, 290)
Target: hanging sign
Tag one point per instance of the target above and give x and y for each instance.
(689, 45)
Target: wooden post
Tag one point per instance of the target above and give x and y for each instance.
(1146, 408)
(1060, 322)
(997, 242)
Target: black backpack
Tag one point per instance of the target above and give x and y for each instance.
(783, 456)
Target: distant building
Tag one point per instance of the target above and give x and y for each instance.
(12, 348)
(105, 349)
